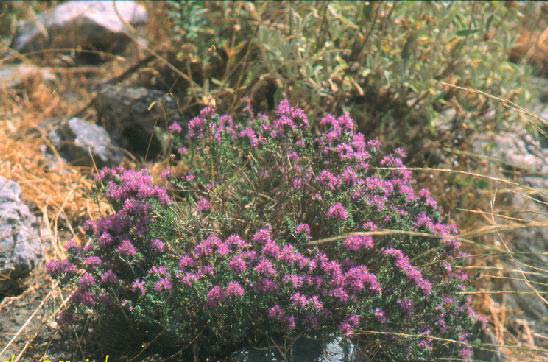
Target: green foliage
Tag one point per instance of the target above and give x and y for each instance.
(384, 62)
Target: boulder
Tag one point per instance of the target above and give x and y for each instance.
(20, 247)
(533, 241)
(98, 25)
(526, 161)
(82, 143)
(132, 115)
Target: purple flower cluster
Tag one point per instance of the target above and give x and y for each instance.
(58, 267)
(414, 274)
(203, 205)
(356, 243)
(247, 256)
(337, 211)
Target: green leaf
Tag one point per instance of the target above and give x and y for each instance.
(466, 32)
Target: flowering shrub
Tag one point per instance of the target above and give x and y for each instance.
(276, 232)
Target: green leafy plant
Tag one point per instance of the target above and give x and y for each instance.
(391, 64)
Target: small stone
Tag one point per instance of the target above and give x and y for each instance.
(304, 350)
(78, 138)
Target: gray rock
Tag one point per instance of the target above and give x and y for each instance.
(20, 247)
(78, 138)
(445, 120)
(131, 115)
(87, 24)
(14, 75)
(534, 241)
(519, 151)
(304, 350)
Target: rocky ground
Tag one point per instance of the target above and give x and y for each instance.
(116, 124)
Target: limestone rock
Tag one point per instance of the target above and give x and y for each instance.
(20, 247)
(78, 138)
(99, 25)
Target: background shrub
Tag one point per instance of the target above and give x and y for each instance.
(274, 233)
(386, 63)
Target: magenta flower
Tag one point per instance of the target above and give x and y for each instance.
(196, 127)
(406, 305)
(157, 245)
(425, 344)
(71, 245)
(296, 281)
(185, 262)
(380, 315)
(350, 323)
(166, 174)
(298, 300)
(93, 261)
(266, 286)
(356, 278)
(105, 239)
(466, 354)
(328, 180)
(203, 205)
(356, 243)
(207, 246)
(175, 127)
(83, 297)
(262, 236)
(265, 267)
(163, 285)
(402, 262)
(303, 229)
(127, 248)
(340, 294)
(291, 323)
(238, 264)
(237, 241)
(138, 285)
(109, 277)
(158, 270)
(57, 267)
(329, 176)
(337, 211)
(370, 226)
(249, 133)
(234, 289)
(86, 280)
(276, 312)
(271, 249)
(215, 296)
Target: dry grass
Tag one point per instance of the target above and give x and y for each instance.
(59, 195)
